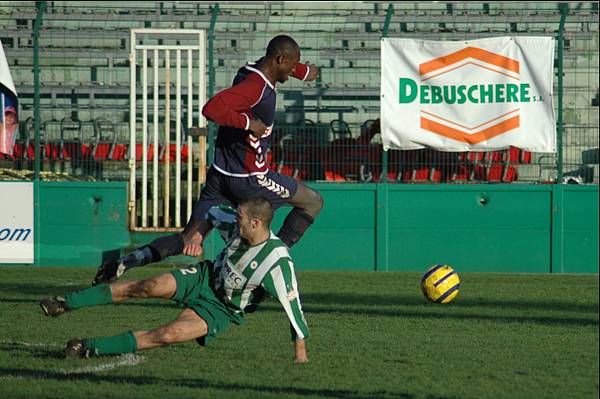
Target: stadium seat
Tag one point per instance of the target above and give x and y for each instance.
(366, 133)
(24, 145)
(291, 156)
(163, 153)
(514, 155)
(310, 136)
(105, 140)
(52, 141)
(120, 152)
(494, 173)
(340, 129)
(341, 161)
(461, 172)
(71, 145)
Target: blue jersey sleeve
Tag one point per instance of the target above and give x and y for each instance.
(222, 218)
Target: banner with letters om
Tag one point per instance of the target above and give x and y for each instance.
(16, 222)
(478, 95)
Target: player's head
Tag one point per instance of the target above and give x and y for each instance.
(285, 53)
(254, 216)
(10, 114)
(10, 110)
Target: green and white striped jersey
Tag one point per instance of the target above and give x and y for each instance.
(241, 268)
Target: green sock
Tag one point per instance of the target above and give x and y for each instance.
(97, 295)
(122, 343)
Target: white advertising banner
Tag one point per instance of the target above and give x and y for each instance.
(16, 222)
(478, 95)
(5, 77)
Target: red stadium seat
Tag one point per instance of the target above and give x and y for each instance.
(525, 157)
(120, 152)
(495, 173)
(105, 140)
(514, 155)
(510, 174)
(461, 173)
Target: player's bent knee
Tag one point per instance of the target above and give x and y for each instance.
(308, 199)
(316, 203)
(319, 201)
(144, 288)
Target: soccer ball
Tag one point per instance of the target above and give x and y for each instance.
(440, 284)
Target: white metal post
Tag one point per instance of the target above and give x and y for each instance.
(144, 138)
(155, 147)
(201, 120)
(178, 143)
(157, 181)
(132, 113)
(167, 141)
(190, 140)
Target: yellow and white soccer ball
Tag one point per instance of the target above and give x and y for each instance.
(440, 284)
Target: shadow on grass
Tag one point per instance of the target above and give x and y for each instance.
(395, 306)
(385, 305)
(322, 298)
(39, 289)
(546, 320)
(432, 312)
(417, 299)
(145, 303)
(199, 383)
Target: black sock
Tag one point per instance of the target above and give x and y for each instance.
(164, 247)
(294, 226)
(140, 257)
(156, 251)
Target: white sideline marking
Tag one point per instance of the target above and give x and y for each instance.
(126, 360)
(11, 377)
(30, 344)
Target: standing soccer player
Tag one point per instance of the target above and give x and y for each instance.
(245, 114)
(214, 296)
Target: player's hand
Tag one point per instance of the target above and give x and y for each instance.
(194, 245)
(257, 128)
(300, 352)
(301, 360)
(313, 73)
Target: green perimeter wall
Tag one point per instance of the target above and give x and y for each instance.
(383, 227)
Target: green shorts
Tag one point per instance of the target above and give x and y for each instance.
(194, 291)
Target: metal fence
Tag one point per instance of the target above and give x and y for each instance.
(322, 128)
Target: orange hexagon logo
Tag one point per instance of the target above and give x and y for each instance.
(499, 86)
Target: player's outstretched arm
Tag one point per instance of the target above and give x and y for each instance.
(281, 283)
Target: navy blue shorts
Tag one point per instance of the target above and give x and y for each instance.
(222, 189)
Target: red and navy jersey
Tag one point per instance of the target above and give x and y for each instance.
(252, 96)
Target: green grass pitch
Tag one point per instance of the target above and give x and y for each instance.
(373, 335)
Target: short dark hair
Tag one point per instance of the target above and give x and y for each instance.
(281, 45)
(258, 208)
